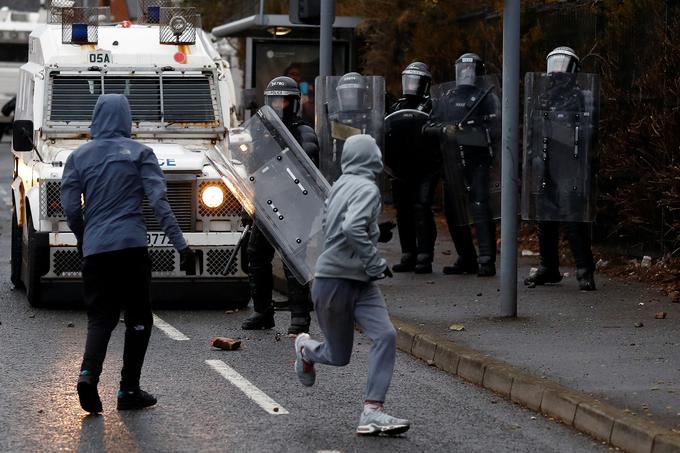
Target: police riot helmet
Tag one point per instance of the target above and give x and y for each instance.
(352, 92)
(415, 79)
(283, 95)
(562, 59)
(469, 66)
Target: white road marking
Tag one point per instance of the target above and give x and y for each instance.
(168, 329)
(243, 384)
(328, 451)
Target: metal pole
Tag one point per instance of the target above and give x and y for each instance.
(326, 38)
(511, 39)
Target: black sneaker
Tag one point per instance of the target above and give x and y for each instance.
(259, 321)
(298, 325)
(134, 399)
(87, 392)
(462, 266)
(586, 280)
(542, 276)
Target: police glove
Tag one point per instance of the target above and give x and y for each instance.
(246, 220)
(187, 260)
(386, 231)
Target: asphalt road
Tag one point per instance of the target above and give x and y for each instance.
(200, 410)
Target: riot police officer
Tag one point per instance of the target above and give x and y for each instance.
(415, 171)
(468, 152)
(283, 95)
(566, 108)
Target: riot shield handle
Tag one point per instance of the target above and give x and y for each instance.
(231, 259)
(475, 106)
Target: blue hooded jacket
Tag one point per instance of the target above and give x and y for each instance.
(113, 173)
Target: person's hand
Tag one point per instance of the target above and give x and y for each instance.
(386, 231)
(187, 260)
(385, 273)
(246, 220)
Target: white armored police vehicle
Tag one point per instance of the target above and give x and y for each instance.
(181, 95)
(15, 26)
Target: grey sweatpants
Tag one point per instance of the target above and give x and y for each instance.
(339, 303)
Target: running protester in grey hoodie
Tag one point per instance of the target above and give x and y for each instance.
(344, 289)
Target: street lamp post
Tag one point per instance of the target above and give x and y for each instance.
(511, 39)
(326, 37)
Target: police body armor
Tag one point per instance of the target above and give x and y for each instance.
(409, 154)
(560, 130)
(337, 120)
(278, 185)
(466, 118)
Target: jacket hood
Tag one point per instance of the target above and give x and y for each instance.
(361, 156)
(111, 117)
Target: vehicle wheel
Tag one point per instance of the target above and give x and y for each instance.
(15, 252)
(32, 277)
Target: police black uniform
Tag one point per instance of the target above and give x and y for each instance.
(283, 95)
(476, 164)
(563, 94)
(414, 188)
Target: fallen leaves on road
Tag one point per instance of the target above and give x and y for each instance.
(639, 324)
(457, 327)
(660, 315)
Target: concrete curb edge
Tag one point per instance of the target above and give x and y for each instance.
(584, 413)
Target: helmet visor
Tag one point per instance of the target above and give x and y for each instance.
(413, 85)
(466, 73)
(284, 106)
(561, 63)
(352, 97)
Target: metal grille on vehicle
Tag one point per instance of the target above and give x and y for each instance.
(162, 260)
(217, 260)
(186, 99)
(230, 208)
(50, 202)
(181, 197)
(66, 263)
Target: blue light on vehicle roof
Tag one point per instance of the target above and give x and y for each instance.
(154, 14)
(79, 34)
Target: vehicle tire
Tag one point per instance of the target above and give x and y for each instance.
(34, 291)
(15, 252)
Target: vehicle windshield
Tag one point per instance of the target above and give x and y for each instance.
(13, 52)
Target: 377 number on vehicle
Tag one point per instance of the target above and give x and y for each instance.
(157, 239)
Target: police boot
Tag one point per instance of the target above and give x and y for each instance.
(423, 264)
(87, 392)
(299, 323)
(543, 275)
(407, 263)
(259, 321)
(462, 266)
(586, 279)
(487, 266)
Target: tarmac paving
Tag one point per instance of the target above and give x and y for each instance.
(606, 343)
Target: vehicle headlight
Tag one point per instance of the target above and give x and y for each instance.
(213, 196)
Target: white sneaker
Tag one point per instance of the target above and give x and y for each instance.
(304, 369)
(377, 422)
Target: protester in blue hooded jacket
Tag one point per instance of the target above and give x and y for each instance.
(103, 185)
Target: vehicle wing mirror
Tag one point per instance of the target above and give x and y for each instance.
(22, 135)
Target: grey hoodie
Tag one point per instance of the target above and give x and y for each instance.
(350, 222)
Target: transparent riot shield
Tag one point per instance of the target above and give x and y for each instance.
(408, 153)
(278, 185)
(467, 119)
(560, 131)
(335, 123)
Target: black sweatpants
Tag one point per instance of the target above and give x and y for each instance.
(113, 281)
